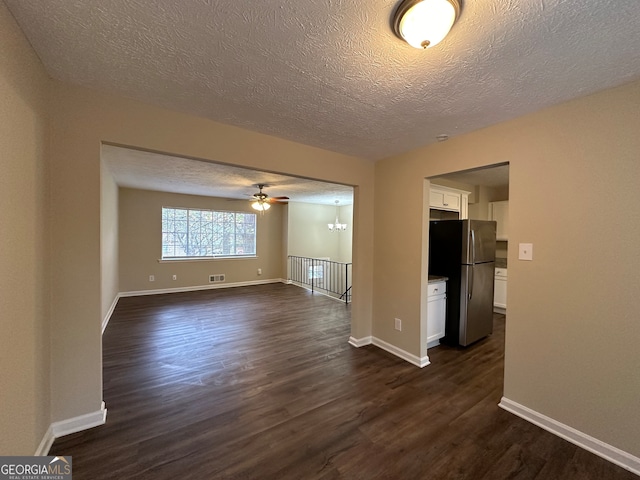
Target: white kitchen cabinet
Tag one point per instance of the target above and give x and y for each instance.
(500, 290)
(436, 312)
(449, 199)
(499, 211)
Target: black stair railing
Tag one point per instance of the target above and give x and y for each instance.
(322, 275)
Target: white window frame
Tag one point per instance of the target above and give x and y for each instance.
(174, 250)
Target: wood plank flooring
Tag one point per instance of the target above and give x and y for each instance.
(260, 383)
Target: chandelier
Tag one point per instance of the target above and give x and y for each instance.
(337, 226)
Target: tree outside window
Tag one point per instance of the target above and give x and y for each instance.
(188, 233)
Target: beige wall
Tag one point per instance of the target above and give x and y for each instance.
(81, 120)
(309, 235)
(24, 355)
(345, 239)
(141, 240)
(479, 210)
(572, 330)
(573, 326)
(108, 240)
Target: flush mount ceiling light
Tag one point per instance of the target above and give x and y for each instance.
(424, 23)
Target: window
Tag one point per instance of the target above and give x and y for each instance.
(188, 233)
(316, 272)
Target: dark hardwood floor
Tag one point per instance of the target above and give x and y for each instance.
(260, 383)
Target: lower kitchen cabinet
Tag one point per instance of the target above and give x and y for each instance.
(436, 312)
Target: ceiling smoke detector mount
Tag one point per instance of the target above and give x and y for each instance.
(425, 23)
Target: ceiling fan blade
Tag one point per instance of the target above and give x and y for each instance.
(262, 197)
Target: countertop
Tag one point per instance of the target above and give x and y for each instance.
(437, 278)
(501, 262)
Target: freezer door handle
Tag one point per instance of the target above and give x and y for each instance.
(472, 234)
(470, 290)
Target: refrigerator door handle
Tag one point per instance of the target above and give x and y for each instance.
(472, 238)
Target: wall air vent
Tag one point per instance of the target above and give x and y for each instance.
(216, 278)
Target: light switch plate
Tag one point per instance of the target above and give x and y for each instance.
(525, 251)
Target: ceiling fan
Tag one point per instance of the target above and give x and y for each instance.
(261, 201)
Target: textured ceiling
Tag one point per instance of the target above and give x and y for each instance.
(165, 173)
(496, 176)
(331, 73)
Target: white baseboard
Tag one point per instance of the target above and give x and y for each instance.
(398, 352)
(82, 422)
(195, 288)
(317, 291)
(69, 426)
(582, 440)
(45, 444)
(107, 317)
(403, 354)
(360, 342)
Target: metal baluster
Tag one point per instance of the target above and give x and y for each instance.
(346, 277)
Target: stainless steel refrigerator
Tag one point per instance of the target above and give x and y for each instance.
(464, 251)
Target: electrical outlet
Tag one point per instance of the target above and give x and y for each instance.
(259, 271)
(152, 278)
(175, 277)
(398, 324)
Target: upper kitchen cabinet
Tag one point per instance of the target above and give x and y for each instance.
(499, 211)
(449, 199)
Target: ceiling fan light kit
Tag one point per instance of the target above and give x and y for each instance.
(425, 23)
(262, 202)
(260, 206)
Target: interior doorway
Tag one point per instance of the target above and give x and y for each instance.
(481, 194)
(139, 185)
